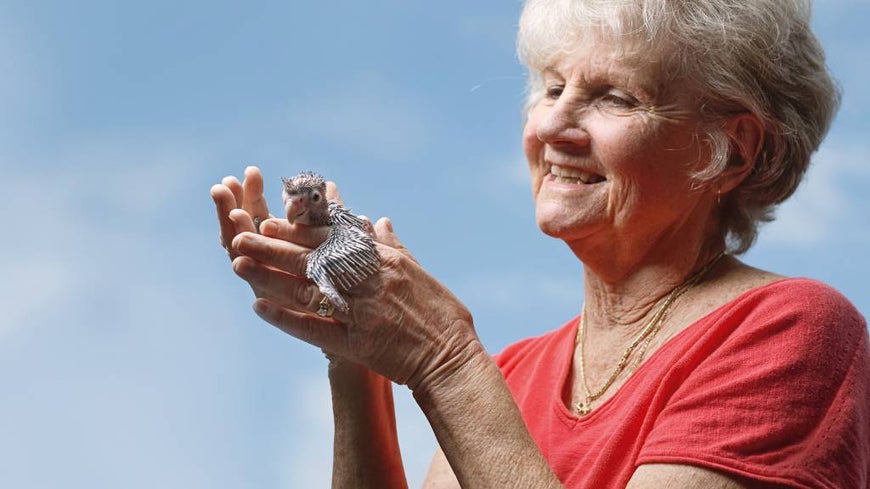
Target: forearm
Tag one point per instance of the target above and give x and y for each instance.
(366, 448)
(480, 428)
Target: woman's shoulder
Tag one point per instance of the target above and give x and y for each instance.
(747, 289)
(798, 295)
(749, 310)
(806, 314)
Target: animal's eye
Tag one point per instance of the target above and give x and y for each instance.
(315, 197)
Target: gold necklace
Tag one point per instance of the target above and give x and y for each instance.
(583, 407)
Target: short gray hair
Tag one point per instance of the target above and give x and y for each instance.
(759, 57)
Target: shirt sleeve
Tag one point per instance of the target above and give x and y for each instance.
(781, 395)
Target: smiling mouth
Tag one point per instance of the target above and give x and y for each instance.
(564, 174)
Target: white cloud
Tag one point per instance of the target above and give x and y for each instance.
(31, 286)
(308, 454)
(514, 171)
(827, 5)
(519, 290)
(416, 439)
(306, 460)
(74, 225)
(366, 115)
(20, 84)
(497, 31)
(507, 184)
(94, 327)
(128, 175)
(828, 207)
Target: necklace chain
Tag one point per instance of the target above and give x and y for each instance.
(583, 407)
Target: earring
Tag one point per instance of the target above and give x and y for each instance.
(719, 196)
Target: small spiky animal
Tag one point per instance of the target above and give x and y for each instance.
(348, 256)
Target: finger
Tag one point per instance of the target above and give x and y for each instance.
(326, 333)
(307, 236)
(243, 221)
(274, 253)
(254, 201)
(385, 234)
(280, 287)
(332, 193)
(224, 203)
(368, 227)
(235, 187)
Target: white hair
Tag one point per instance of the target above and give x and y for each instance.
(759, 57)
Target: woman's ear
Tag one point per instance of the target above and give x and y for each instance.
(747, 136)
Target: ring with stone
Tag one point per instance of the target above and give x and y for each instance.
(325, 308)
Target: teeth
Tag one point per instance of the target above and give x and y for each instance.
(575, 174)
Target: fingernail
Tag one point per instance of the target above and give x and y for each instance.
(239, 242)
(268, 228)
(261, 306)
(238, 266)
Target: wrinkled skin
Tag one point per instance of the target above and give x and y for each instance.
(402, 326)
(392, 326)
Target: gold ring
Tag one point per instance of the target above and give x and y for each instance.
(325, 309)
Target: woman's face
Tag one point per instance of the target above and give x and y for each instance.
(610, 149)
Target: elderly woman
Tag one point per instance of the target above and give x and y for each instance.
(659, 135)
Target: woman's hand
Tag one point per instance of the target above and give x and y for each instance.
(402, 323)
(240, 206)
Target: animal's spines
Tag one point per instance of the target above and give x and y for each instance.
(303, 183)
(348, 256)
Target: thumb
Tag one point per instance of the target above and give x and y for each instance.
(385, 234)
(332, 192)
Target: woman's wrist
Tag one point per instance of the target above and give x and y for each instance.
(455, 373)
(366, 448)
(348, 376)
(478, 425)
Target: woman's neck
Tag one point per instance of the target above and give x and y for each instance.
(623, 293)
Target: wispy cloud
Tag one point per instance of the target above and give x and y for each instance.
(19, 85)
(366, 115)
(829, 206)
(33, 287)
(520, 290)
(102, 323)
(78, 222)
(307, 455)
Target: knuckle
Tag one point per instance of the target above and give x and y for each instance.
(391, 259)
(243, 242)
(305, 294)
(296, 263)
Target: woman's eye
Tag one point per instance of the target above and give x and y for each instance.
(555, 91)
(618, 100)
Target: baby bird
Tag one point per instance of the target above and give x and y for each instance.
(348, 256)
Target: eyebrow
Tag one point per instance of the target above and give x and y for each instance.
(550, 70)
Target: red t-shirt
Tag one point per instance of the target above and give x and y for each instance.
(773, 386)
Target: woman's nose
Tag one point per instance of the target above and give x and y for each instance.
(563, 125)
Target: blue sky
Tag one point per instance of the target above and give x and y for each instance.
(129, 355)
